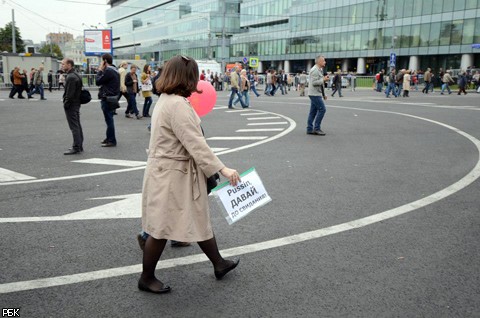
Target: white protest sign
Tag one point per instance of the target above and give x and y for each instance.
(238, 201)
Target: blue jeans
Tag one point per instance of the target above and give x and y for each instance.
(268, 89)
(379, 87)
(108, 114)
(246, 98)
(391, 88)
(254, 90)
(338, 89)
(133, 104)
(37, 89)
(317, 112)
(146, 106)
(445, 85)
(235, 93)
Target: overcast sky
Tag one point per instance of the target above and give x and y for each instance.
(37, 18)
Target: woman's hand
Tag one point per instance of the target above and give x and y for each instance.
(231, 174)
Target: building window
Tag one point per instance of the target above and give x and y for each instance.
(468, 31)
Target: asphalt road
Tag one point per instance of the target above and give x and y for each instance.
(379, 218)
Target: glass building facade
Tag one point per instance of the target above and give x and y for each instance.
(354, 35)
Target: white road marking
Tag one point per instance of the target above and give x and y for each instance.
(260, 129)
(262, 118)
(252, 114)
(126, 207)
(219, 149)
(222, 152)
(237, 110)
(238, 138)
(472, 176)
(220, 107)
(275, 123)
(95, 174)
(113, 162)
(9, 175)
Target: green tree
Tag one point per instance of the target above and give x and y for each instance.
(52, 49)
(6, 39)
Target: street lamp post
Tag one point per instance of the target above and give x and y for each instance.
(209, 49)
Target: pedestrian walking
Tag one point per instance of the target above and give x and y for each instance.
(50, 80)
(391, 85)
(316, 93)
(302, 81)
(447, 80)
(337, 84)
(380, 80)
(38, 84)
(146, 79)
(406, 83)
(244, 89)
(253, 79)
(131, 82)
(122, 71)
(71, 105)
(168, 210)
(427, 77)
(235, 84)
(18, 83)
(462, 83)
(61, 80)
(108, 79)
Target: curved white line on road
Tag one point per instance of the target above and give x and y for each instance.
(95, 174)
(473, 175)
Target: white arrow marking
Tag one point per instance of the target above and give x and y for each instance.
(127, 207)
(9, 175)
(113, 162)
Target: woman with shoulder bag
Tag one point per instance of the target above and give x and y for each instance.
(146, 79)
(131, 81)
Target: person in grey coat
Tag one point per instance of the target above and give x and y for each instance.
(316, 90)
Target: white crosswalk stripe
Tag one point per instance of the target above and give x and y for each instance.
(272, 123)
(263, 118)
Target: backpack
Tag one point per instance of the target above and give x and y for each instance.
(377, 77)
(11, 76)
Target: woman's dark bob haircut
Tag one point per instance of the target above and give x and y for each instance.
(179, 77)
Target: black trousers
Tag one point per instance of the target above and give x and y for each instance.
(17, 89)
(127, 97)
(72, 112)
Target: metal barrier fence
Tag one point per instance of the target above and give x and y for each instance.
(87, 79)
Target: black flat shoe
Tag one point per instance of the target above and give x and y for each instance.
(219, 274)
(72, 152)
(143, 287)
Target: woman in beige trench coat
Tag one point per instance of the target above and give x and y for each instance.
(174, 200)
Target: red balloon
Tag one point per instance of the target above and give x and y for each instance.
(203, 103)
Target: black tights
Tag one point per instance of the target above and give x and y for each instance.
(154, 248)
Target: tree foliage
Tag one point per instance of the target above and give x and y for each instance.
(53, 49)
(6, 39)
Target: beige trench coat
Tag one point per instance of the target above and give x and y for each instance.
(174, 198)
(406, 82)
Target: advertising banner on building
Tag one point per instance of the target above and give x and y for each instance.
(98, 42)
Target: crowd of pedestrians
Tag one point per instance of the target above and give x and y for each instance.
(401, 82)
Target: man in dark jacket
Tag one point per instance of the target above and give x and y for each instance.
(71, 104)
(108, 79)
